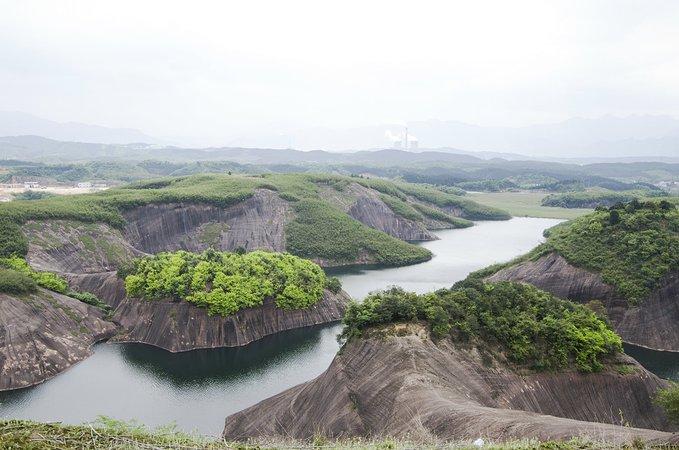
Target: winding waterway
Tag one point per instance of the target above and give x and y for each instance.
(198, 389)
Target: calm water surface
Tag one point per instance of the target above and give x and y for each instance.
(198, 389)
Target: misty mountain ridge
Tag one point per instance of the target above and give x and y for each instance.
(13, 123)
(608, 137)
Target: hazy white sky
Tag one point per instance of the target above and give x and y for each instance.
(217, 69)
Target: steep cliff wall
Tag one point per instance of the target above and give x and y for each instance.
(651, 323)
(179, 326)
(365, 205)
(105, 285)
(69, 246)
(407, 385)
(257, 223)
(44, 334)
(374, 213)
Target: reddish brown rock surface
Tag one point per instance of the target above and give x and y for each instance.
(410, 386)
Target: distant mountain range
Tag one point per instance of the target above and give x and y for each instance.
(17, 123)
(602, 137)
(644, 137)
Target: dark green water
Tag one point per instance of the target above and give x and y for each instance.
(663, 364)
(198, 389)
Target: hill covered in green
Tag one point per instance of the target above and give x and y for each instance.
(225, 283)
(633, 246)
(597, 197)
(321, 227)
(531, 327)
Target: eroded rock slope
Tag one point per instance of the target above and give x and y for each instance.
(179, 326)
(43, 334)
(407, 385)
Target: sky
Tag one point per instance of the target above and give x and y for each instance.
(219, 69)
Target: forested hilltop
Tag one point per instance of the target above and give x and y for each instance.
(530, 327)
(624, 258)
(633, 246)
(332, 219)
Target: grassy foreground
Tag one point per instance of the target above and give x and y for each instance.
(110, 434)
(526, 204)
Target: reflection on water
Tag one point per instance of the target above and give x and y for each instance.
(196, 390)
(206, 366)
(663, 364)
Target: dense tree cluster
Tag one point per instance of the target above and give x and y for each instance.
(632, 245)
(596, 198)
(532, 327)
(225, 283)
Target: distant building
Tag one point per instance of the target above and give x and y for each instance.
(31, 185)
(84, 185)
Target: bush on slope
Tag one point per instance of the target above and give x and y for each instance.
(532, 327)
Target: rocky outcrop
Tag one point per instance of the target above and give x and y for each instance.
(105, 285)
(76, 247)
(405, 385)
(43, 334)
(179, 326)
(374, 213)
(651, 323)
(256, 223)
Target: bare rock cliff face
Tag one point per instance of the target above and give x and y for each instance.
(410, 386)
(374, 213)
(652, 323)
(44, 334)
(256, 223)
(366, 206)
(179, 326)
(76, 247)
(105, 285)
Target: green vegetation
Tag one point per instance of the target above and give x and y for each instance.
(472, 210)
(401, 208)
(321, 231)
(48, 280)
(110, 434)
(33, 195)
(302, 190)
(534, 328)
(14, 282)
(90, 299)
(596, 197)
(12, 239)
(668, 399)
(525, 204)
(633, 246)
(225, 283)
(439, 215)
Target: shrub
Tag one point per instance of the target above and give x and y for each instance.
(333, 284)
(90, 299)
(532, 327)
(668, 399)
(48, 280)
(14, 282)
(12, 240)
(225, 283)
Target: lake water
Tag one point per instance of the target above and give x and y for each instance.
(198, 389)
